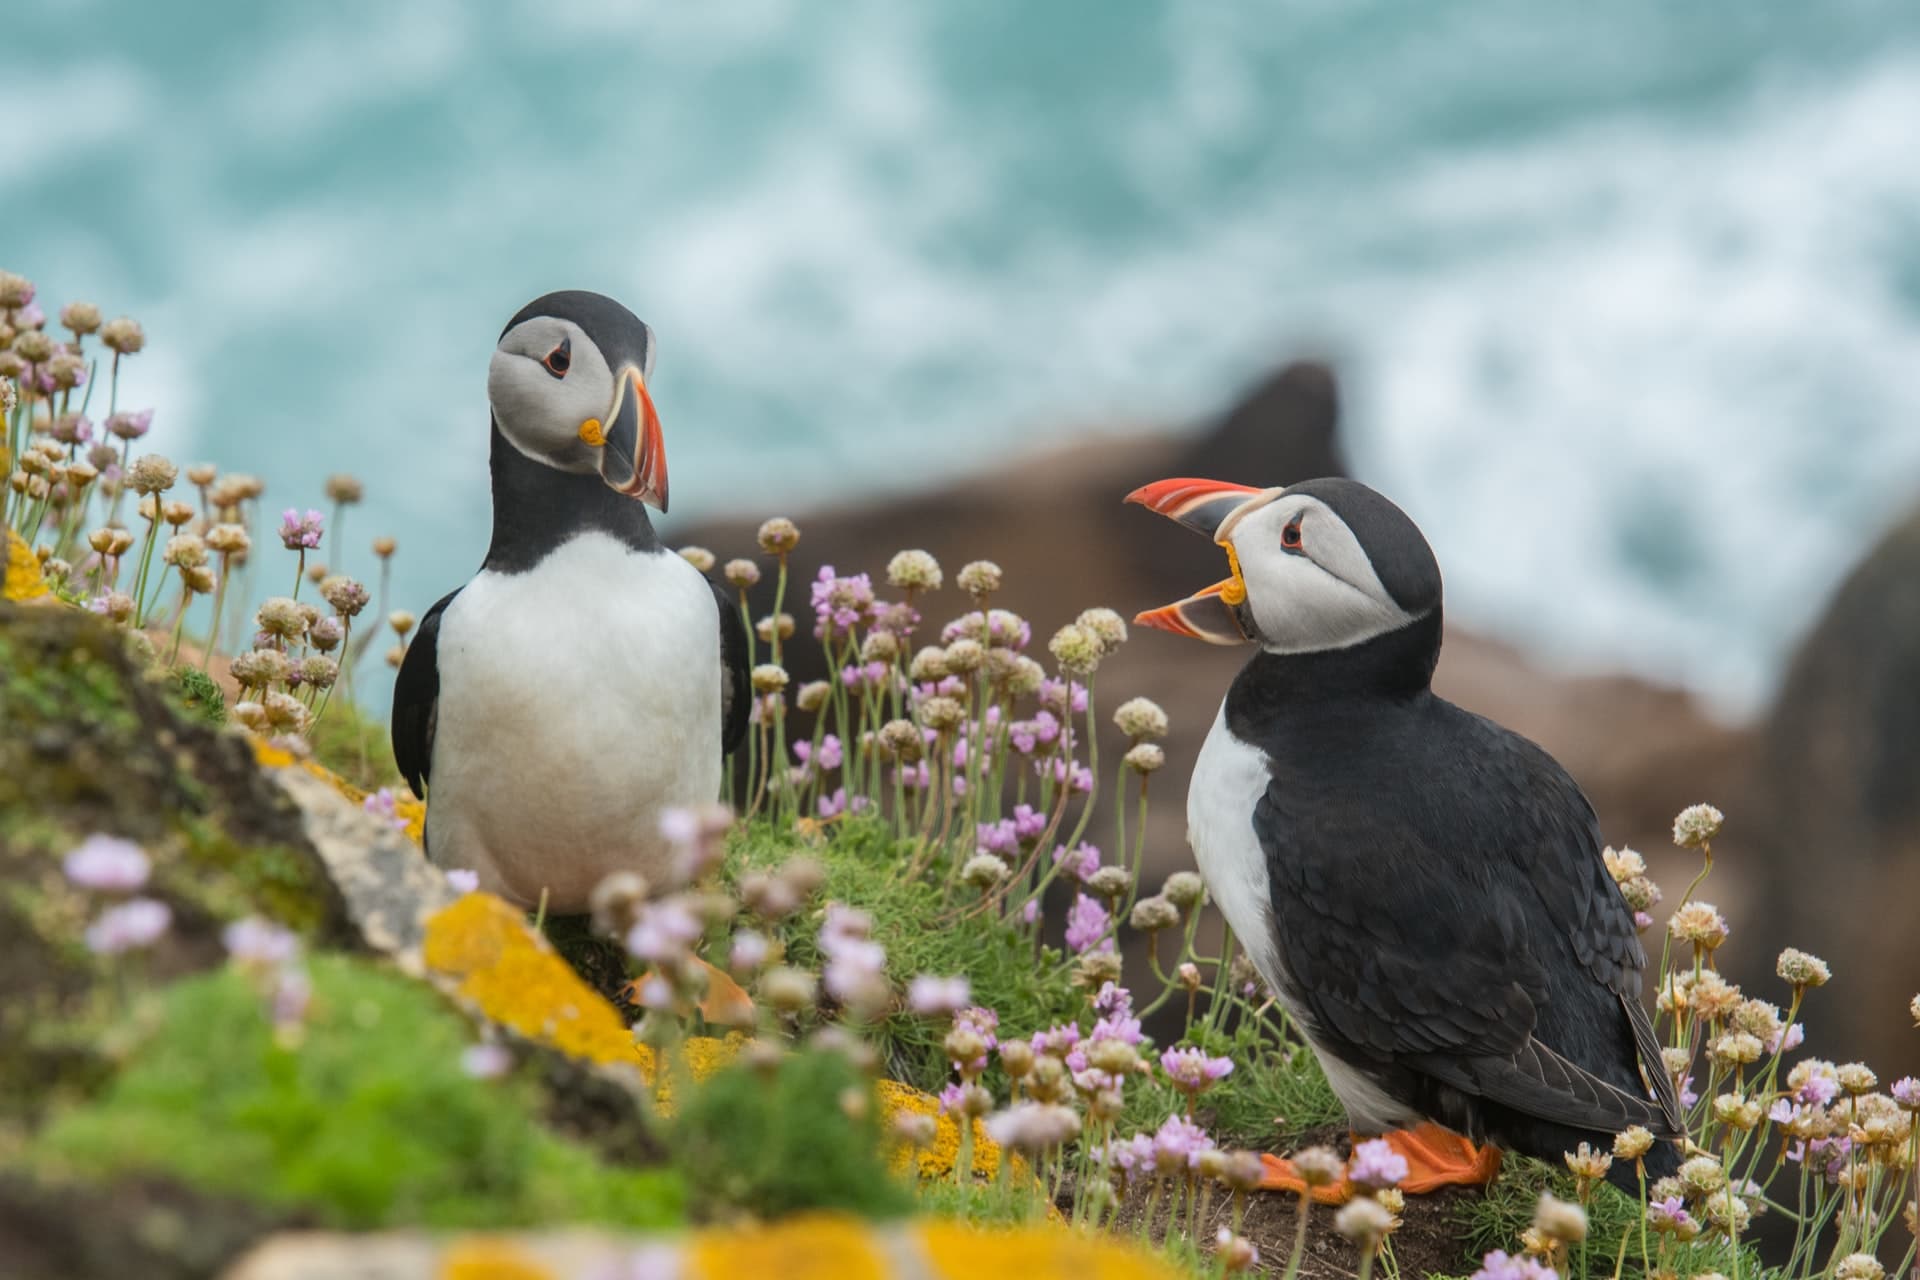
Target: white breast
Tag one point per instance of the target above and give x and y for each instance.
(578, 701)
(1229, 779)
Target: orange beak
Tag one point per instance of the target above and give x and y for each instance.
(633, 457)
(1213, 614)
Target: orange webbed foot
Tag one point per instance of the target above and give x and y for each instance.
(1435, 1158)
(726, 1003)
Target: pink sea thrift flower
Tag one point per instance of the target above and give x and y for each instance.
(257, 942)
(383, 805)
(931, 996)
(1193, 1070)
(462, 880)
(1498, 1265)
(1178, 1145)
(486, 1060)
(301, 532)
(131, 926)
(1086, 924)
(1377, 1166)
(107, 864)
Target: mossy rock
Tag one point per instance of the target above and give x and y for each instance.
(94, 744)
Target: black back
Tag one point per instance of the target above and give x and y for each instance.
(416, 700)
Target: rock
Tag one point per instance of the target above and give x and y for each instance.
(1835, 798)
(146, 1227)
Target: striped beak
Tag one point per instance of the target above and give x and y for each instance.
(633, 457)
(1215, 613)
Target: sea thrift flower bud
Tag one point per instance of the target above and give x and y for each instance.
(185, 551)
(344, 489)
(1185, 889)
(699, 557)
(1106, 627)
(346, 596)
(1016, 1058)
(1696, 825)
(1632, 1143)
(1587, 1164)
(1857, 1078)
(965, 656)
(130, 424)
(741, 573)
(902, 741)
(1559, 1221)
(813, 695)
(1027, 677)
(1699, 923)
(1801, 970)
(980, 579)
(319, 671)
(66, 370)
(1859, 1266)
(1906, 1093)
(1364, 1221)
(1141, 719)
(1736, 1112)
(286, 712)
(201, 474)
(1702, 1176)
(228, 539)
(779, 536)
(942, 714)
(249, 713)
(325, 635)
(1076, 649)
(1188, 976)
(983, 871)
(384, 547)
(1236, 1254)
(768, 678)
(914, 571)
(1150, 915)
(259, 668)
(101, 540)
(1118, 1058)
(1109, 882)
(281, 617)
(80, 317)
(123, 335)
(1145, 758)
(766, 628)
(1095, 969)
(176, 513)
(1317, 1166)
(1913, 1010)
(401, 620)
(1736, 1048)
(15, 291)
(34, 347)
(151, 473)
(881, 647)
(107, 864)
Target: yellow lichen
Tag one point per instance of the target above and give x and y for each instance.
(486, 949)
(486, 1259)
(808, 1247)
(959, 1252)
(22, 580)
(405, 807)
(937, 1158)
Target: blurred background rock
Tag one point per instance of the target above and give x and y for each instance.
(1622, 305)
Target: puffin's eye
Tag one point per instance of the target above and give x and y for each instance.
(1290, 536)
(560, 359)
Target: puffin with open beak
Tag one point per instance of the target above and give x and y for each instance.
(588, 678)
(1422, 889)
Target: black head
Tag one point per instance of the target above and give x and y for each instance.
(568, 386)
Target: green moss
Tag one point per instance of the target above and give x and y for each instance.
(804, 1135)
(1496, 1220)
(912, 920)
(199, 694)
(368, 1121)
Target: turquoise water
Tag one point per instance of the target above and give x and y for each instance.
(1628, 297)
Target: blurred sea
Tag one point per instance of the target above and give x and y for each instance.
(1627, 296)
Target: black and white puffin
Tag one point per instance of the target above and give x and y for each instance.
(588, 678)
(1422, 889)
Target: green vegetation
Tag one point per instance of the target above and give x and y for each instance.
(367, 1118)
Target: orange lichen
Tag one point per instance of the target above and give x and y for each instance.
(808, 1247)
(956, 1251)
(22, 580)
(487, 1259)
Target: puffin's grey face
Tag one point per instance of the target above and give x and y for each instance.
(1326, 564)
(560, 399)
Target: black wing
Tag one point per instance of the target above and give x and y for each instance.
(1469, 934)
(416, 700)
(735, 698)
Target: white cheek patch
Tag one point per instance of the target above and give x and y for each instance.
(1328, 598)
(539, 414)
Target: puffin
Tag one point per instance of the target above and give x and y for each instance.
(588, 679)
(1421, 888)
